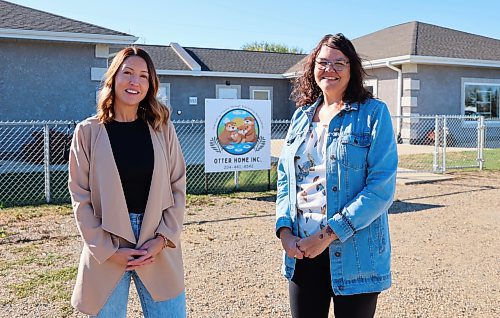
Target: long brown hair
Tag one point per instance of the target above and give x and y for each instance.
(306, 91)
(151, 110)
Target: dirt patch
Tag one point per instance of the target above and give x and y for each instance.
(444, 240)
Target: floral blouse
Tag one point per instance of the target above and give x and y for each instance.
(310, 168)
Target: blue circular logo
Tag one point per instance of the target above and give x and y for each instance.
(238, 131)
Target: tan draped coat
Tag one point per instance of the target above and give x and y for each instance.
(102, 218)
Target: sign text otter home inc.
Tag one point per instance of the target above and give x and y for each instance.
(237, 135)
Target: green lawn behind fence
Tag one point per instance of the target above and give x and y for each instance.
(461, 158)
(224, 182)
(28, 188)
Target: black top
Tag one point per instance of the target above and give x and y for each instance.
(134, 157)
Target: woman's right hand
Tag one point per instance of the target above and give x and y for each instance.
(123, 255)
(289, 243)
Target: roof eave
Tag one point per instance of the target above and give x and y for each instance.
(434, 60)
(292, 74)
(67, 36)
(219, 74)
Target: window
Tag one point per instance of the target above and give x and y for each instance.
(481, 99)
(480, 96)
(371, 85)
(164, 93)
(228, 91)
(261, 93)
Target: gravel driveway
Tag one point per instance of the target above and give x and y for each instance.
(444, 239)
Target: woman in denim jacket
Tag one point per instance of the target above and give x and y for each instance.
(336, 181)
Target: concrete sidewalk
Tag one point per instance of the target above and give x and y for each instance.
(407, 176)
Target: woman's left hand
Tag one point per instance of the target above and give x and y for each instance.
(153, 247)
(315, 244)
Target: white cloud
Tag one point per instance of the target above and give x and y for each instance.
(239, 112)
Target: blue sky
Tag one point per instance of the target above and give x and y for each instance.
(230, 24)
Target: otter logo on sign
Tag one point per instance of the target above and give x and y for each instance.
(237, 131)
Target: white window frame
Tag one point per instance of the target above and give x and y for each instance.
(477, 81)
(166, 87)
(373, 82)
(268, 89)
(219, 86)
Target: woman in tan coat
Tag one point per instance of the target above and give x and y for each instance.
(127, 180)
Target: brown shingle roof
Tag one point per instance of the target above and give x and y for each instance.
(418, 38)
(14, 16)
(164, 57)
(224, 60)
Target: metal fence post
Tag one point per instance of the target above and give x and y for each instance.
(206, 183)
(46, 161)
(269, 180)
(480, 141)
(445, 134)
(435, 166)
(236, 180)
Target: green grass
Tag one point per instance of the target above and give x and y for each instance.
(30, 248)
(462, 158)
(249, 194)
(492, 159)
(223, 182)
(199, 200)
(29, 188)
(4, 233)
(22, 213)
(41, 260)
(52, 282)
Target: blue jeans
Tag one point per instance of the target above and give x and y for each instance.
(116, 305)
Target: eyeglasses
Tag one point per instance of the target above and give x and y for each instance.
(338, 65)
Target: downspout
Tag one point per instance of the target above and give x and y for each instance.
(399, 96)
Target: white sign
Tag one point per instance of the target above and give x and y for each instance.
(237, 135)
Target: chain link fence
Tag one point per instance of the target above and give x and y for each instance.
(192, 138)
(440, 143)
(34, 155)
(33, 162)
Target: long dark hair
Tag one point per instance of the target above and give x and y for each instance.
(150, 110)
(306, 91)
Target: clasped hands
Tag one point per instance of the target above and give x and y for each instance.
(309, 247)
(133, 258)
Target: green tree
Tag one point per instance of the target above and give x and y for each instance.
(271, 47)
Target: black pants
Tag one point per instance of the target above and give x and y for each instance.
(310, 292)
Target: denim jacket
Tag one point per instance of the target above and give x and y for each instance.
(361, 164)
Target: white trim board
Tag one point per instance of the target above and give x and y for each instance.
(67, 36)
(219, 74)
(436, 60)
(185, 57)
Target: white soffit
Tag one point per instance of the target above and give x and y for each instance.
(219, 74)
(436, 60)
(67, 36)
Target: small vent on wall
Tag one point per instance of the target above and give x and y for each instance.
(193, 100)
